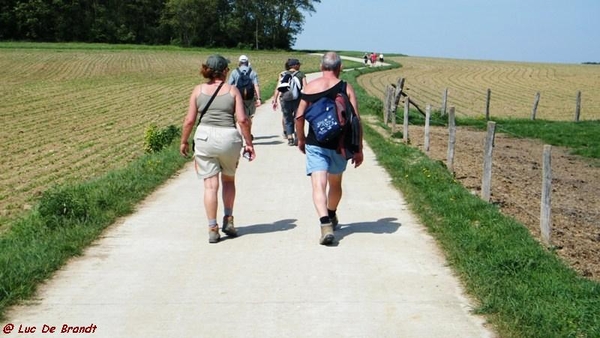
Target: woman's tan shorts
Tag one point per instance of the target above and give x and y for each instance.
(217, 150)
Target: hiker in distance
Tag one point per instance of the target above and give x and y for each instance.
(373, 59)
(217, 141)
(282, 86)
(324, 163)
(289, 86)
(246, 80)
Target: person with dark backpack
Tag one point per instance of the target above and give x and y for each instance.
(325, 160)
(246, 80)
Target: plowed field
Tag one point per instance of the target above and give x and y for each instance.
(513, 87)
(517, 164)
(71, 115)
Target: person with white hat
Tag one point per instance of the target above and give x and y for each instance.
(246, 80)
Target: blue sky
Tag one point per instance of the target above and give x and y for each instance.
(505, 30)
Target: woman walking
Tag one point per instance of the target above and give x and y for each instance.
(218, 142)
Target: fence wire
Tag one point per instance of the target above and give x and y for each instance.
(438, 120)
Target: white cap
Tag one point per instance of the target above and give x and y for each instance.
(243, 58)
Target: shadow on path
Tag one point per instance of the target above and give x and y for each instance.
(381, 226)
(263, 137)
(259, 140)
(282, 225)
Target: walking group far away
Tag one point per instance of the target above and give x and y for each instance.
(224, 108)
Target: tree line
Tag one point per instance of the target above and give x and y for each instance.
(260, 24)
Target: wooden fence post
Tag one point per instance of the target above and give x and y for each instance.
(487, 104)
(396, 95)
(405, 130)
(545, 209)
(388, 104)
(451, 140)
(486, 182)
(427, 117)
(536, 101)
(578, 106)
(399, 91)
(444, 102)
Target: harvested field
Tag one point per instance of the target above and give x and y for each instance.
(513, 86)
(516, 172)
(71, 115)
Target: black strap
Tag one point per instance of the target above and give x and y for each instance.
(343, 88)
(331, 92)
(210, 101)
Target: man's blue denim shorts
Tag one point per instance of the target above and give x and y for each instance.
(322, 159)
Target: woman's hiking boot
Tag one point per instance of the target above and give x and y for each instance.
(228, 227)
(326, 234)
(213, 234)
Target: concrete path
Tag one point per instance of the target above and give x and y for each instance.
(154, 274)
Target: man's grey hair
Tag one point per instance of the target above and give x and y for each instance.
(331, 61)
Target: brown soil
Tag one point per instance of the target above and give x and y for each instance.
(517, 184)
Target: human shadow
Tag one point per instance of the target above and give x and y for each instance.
(268, 143)
(282, 225)
(264, 140)
(381, 226)
(264, 137)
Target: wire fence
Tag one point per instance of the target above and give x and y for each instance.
(519, 176)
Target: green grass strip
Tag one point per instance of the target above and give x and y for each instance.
(581, 137)
(68, 218)
(526, 290)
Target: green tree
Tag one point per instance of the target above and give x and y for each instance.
(188, 19)
(264, 24)
(139, 21)
(8, 22)
(34, 20)
(71, 20)
(274, 23)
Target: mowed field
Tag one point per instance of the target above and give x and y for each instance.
(513, 86)
(69, 115)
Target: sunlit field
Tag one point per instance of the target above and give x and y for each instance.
(74, 114)
(513, 86)
(70, 113)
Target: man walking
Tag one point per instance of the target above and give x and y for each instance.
(324, 164)
(289, 105)
(246, 80)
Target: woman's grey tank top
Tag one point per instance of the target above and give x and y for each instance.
(221, 111)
